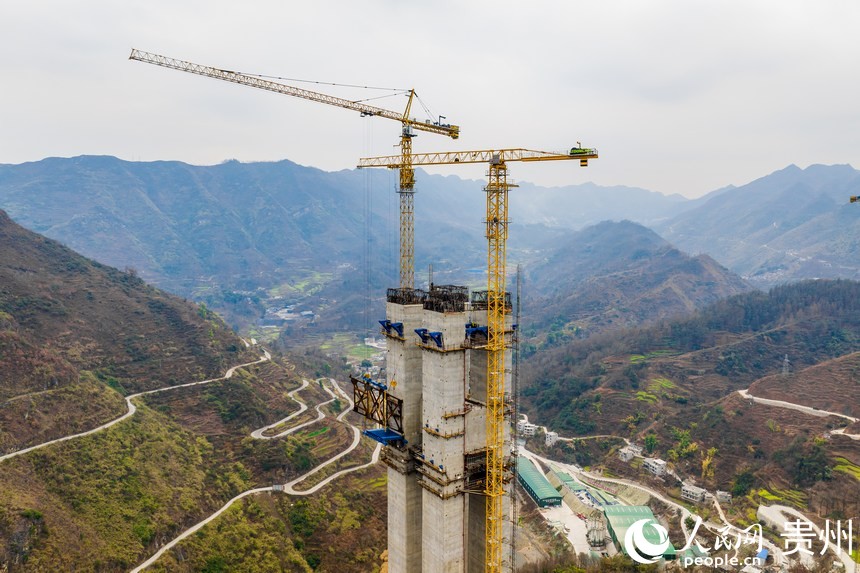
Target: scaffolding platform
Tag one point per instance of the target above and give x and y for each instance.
(384, 436)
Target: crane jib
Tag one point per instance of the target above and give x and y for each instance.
(452, 131)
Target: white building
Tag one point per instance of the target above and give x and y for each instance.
(693, 493)
(626, 454)
(526, 429)
(551, 438)
(655, 466)
(724, 496)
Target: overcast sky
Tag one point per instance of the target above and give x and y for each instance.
(679, 96)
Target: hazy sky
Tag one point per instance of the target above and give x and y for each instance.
(679, 96)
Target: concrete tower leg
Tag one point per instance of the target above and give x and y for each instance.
(404, 522)
(444, 426)
(403, 369)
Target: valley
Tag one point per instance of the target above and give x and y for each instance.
(625, 339)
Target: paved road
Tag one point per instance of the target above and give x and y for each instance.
(563, 439)
(288, 487)
(805, 409)
(258, 434)
(129, 400)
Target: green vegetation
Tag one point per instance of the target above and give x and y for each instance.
(72, 408)
(249, 536)
(347, 345)
(846, 466)
(305, 283)
(806, 462)
(743, 483)
(651, 443)
(263, 335)
(316, 433)
(105, 497)
(793, 496)
(643, 396)
(767, 495)
(684, 447)
(659, 384)
(642, 358)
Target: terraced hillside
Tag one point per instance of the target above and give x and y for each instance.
(77, 341)
(678, 382)
(75, 336)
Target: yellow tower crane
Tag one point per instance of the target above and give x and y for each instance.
(406, 189)
(497, 234)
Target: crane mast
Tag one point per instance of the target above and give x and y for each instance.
(406, 188)
(497, 234)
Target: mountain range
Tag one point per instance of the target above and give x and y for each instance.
(677, 380)
(246, 237)
(790, 225)
(624, 333)
(615, 275)
(70, 327)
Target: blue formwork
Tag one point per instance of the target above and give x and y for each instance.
(384, 436)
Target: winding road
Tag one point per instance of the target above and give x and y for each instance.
(129, 400)
(289, 487)
(776, 513)
(805, 409)
(258, 434)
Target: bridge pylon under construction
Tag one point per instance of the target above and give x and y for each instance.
(437, 390)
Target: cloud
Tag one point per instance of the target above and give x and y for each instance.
(678, 96)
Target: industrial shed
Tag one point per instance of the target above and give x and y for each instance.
(536, 484)
(620, 517)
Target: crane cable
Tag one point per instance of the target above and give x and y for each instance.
(402, 90)
(368, 229)
(398, 91)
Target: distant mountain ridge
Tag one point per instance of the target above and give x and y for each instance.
(219, 233)
(578, 206)
(76, 339)
(790, 225)
(620, 274)
(236, 234)
(678, 380)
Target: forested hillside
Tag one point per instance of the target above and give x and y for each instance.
(678, 380)
(76, 337)
(790, 225)
(240, 236)
(617, 275)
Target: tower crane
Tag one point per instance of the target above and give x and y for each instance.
(406, 188)
(497, 234)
